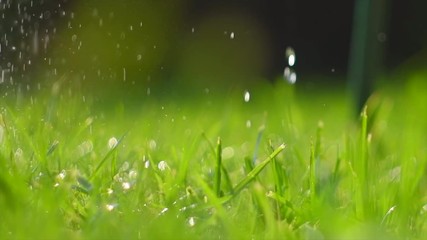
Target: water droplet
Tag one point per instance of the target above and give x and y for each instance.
(247, 96)
(89, 121)
(232, 35)
(152, 144)
(138, 57)
(290, 75)
(147, 164)
(162, 166)
(110, 191)
(290, 55)
(110, 207)
(164, 210)
(112, 142)
(74, 38)
(125, 166)
(62, 174)
(191, 221)
(133, 174)
(248, 123)
(126, 185)
(227, 153)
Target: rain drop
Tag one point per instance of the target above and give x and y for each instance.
(290, 55)
(232, 35)
(112, 142)
(247, 96)
(290, 75)
(162, 166)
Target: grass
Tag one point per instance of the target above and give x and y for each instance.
(81, 166)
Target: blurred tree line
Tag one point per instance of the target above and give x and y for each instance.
(193, 42)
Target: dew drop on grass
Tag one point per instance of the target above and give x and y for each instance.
(247, 96)
(164, 210)
(110, 207)
(227, 153)
(162, 166)
(248, 123)
(133, 174)
(125, 166)
(152, 144)
(147, 164)
(62, 174)
(191, 222)
(112, 142)
(126, 185)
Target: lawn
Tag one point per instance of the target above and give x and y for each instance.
(264, 161)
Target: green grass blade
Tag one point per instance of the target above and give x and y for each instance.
(107, 156)
(312, 172)
(218, 168)
(254, 173)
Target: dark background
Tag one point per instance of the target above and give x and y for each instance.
(190, 38)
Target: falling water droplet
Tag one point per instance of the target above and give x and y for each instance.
(290, 55)
(247, 96)
(232, 35)
(290, 75)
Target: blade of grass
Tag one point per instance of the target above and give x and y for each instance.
(254, 173)
(278, 182)
(258, 143)
(218, 168)
(107, 156)
(227, 178)
(312, 173)
(337, 165)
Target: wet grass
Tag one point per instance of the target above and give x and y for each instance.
(285, 162)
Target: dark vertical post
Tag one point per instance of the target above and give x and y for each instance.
(365, 60)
